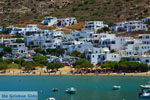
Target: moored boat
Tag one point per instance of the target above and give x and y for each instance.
(50, 99)
(116, 87)
(55, 89)
(71, 90)
(144, 94)
(145, 86)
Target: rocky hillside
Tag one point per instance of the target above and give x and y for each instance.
(20, 11)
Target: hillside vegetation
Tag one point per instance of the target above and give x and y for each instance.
(20, 11)
(108, 10)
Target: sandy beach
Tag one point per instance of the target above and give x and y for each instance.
(64, 72)
(69, 74)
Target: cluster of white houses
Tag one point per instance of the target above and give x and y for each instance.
(98, 47)
(62, 22)
(130, 26)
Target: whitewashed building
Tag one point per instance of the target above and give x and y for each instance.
(101, 55)
(50, 21)
(94, 25)
(144, 20)
(129, 27)
(55, 33)
(64, 22)
(18, 48)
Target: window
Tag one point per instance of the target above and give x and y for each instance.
(112, 42)
(133, 59)
(147, 61)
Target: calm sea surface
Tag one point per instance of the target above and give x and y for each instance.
(88, 87)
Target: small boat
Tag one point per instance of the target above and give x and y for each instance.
(71, 90)
(50, 99)
(55, 89)
(145, 86)
(116, 87)
(144, 94)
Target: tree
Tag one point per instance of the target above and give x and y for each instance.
(3, 66)
(7, 50)
(126, 66)
(1, 60)
(8, 61)
(147, 22)
(19, 61)
(40, 60)
(55, 66)
(1, 54)
(28, 66)
(38, 50)
(61, 51)
(104, 29)
(76, 53)
(5, 25)
(100, 30)
(43, 52)
(17, 36)
(55, 52)
(2, 45)
(83, 63)
(19, 41)
(51, 51)
(13, 66)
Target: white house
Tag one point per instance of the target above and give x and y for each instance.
(144, 38)
(64, 22)
(17, 30)
(34, 40)
(129, 27)
(80, 47)
(1, 28)
(137, 58)
(144, 20)
(142, 49)
(101, 55)
(94, 25)
(103, 39)
(55, 33)
(18, 48)
(23, 31)
(119, 43)
(49, 21)
(31, 28)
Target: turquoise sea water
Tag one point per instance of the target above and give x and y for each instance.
(88, 87)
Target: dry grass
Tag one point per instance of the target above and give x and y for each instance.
(38, 25)
(5, 36)
(134, 34)
(66, 30)
(77, 26)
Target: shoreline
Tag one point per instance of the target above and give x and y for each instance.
(66, 71)
(146, 74)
